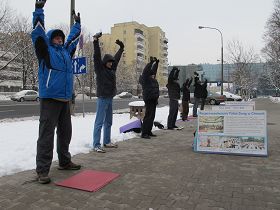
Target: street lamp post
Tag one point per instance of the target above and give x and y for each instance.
(222, 56)
(71, 9)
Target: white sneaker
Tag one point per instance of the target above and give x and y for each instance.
(111, 145)
(99, 150)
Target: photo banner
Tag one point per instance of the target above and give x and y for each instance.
(232, 132)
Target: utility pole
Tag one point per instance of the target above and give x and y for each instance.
(222, 56)
(71, 9)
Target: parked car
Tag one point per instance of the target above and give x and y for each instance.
(125, 95)
(215, 98)
(231, 96)
(26, 95)
(212, 98)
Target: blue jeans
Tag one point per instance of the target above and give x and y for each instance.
(104, 116)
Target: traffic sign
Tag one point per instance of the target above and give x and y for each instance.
(219, 84)
(79, 65)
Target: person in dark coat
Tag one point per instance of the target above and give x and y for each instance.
(204, 94)
(55, 91)
(186, 98)
(174, 95)
(105, 71)
(197, 93)
(150, 88)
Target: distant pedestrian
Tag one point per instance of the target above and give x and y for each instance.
(55, 91)
(150, 88)
(174, 95)
(186, 98)
(106, 89)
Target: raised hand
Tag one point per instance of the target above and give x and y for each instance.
(76, 17)
(40, 4)
(120, 43)
(97, 35)
(156, 60)
(151, 59)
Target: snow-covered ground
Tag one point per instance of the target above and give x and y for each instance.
(4, 98)
(275, 99)
(18, 138)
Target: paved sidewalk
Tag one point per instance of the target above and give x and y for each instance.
(161, 173)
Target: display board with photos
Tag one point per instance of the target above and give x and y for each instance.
(232, 132)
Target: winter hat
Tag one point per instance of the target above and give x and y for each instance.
(108, 58)
(57, 32)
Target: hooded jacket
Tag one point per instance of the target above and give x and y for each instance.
(55, 61)
(172, 85)
(105, 78)
(186, 90)
(150, 85)
(197, 88)
(204, 92)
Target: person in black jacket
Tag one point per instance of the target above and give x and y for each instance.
(186, 98)
(106, 89)
(174, 95)
(150, 88)
(204, 94)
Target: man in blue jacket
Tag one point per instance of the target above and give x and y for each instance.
(55, 91)
(105, 70)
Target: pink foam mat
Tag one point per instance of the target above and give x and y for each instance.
(88, 180)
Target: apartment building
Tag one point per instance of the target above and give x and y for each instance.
(140, 42)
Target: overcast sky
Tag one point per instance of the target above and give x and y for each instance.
(242, 20)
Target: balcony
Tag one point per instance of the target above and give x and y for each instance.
(165, 54)
(140, 44)
(140, 50)
(140, 39)
(140, 56)
(139, 34)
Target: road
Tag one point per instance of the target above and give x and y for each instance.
(12, 109)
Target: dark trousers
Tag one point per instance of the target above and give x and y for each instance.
(53, 114)
(185, 107)
(173, 112)
(195, 106)
(149, 117)
(202, 103)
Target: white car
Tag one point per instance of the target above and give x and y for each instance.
(231, 96)
(26, 95)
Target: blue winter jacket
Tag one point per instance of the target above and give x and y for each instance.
(55, 61)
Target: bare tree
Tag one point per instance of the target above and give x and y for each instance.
(21, 32)
(126, 77)
(271, 50)
(6, 17)
(242, 59)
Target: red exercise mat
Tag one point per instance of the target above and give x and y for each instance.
(89, 180)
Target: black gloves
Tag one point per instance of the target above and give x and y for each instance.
(153, 59)
(40, 4)
(97, 35)
(76, 17)
(120, 43)
(156, 60)
(176, 73)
